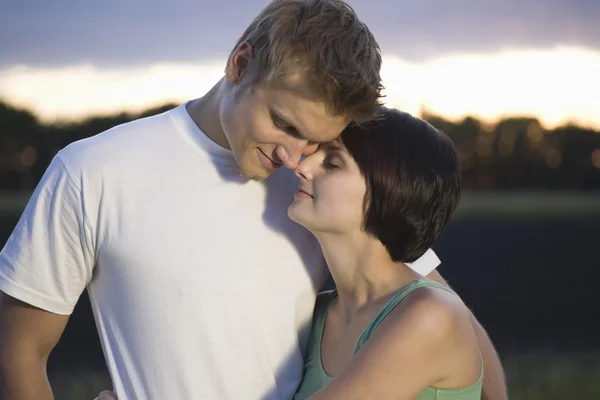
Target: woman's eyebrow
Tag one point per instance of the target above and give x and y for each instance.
(333, 147)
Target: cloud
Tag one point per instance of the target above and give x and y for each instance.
(70, 93)
(120, 33)
(555, 85)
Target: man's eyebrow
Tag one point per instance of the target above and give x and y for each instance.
(289, 127)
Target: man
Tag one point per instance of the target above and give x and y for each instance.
(200, 285)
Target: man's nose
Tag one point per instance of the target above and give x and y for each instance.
(304, 169)
(290, 155)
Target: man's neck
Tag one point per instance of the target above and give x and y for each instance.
(205, 112)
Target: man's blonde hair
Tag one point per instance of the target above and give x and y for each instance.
(320, 49)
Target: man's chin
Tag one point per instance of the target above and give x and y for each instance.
(254, 175)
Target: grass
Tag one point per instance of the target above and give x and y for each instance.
(531, 376)
(547, 376)
(530, 205)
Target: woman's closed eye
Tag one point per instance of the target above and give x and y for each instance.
(330, 165)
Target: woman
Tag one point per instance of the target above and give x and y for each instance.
(377, 198)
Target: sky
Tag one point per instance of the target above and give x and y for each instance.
(65, 59)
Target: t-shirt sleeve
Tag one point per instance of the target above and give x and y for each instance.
(47, 261)
(425, 264)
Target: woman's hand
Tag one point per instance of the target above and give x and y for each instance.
(107, 395)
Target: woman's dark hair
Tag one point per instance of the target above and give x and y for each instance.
(413, 180)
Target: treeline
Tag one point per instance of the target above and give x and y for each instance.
(516, 153)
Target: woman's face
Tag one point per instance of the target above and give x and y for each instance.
(331, 194)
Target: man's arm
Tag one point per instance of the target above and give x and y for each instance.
(27, 336)
(494, 381)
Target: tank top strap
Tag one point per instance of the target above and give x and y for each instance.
(319, 317)
(392, 303)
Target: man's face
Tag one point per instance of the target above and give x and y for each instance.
(267, 128)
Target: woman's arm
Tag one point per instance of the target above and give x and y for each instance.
(494, 381)
(423, 342)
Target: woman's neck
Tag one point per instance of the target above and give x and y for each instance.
(362, 269)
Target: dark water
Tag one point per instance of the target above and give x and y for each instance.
(534, 284)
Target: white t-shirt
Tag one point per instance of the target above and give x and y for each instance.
(201, 286)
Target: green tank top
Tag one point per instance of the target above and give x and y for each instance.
(314, 374)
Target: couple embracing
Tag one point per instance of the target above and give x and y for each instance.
(205, 234)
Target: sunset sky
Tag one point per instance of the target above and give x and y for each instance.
(68, 59)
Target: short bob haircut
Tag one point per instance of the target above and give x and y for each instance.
(412, 174)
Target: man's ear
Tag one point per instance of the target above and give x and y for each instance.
(237, 64)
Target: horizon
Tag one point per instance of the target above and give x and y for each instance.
(423, 114)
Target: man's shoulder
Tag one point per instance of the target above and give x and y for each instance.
(117, 144)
